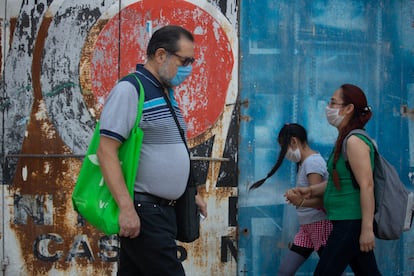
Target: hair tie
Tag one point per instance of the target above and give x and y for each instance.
(366, 110)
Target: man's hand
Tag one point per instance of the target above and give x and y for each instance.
(202, 205)
(129, 222)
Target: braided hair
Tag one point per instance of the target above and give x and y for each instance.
(285, 136)
(351, 94)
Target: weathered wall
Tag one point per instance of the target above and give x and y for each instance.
(59, 59)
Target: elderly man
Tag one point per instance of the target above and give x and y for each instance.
(147, 222)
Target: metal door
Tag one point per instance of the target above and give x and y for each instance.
(59, 60)
(294, 55)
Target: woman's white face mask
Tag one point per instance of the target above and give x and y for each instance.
(333, 117)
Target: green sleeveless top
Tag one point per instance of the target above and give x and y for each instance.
(343, 204)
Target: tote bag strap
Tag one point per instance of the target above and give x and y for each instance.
(141, 94)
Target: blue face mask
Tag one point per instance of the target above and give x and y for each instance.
(182, 73)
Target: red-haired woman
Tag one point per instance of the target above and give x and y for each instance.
(348, 196)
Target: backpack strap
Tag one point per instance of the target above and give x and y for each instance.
(352, 132)
(345, 156)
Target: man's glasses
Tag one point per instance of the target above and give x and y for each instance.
(185, 60)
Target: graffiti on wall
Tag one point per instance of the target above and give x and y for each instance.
(61, 59)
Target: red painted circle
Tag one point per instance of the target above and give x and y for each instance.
(202, 96)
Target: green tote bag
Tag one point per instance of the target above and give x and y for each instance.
(91, 197)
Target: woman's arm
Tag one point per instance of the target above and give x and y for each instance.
(296, 198)
(359, 159)
(313, 191)
(306, 199)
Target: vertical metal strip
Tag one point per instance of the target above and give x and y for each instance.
(3, 96)
(3, 161)
(119, 38)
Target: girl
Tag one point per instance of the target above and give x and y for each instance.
(314, 227)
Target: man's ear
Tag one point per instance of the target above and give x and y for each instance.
(160, 55)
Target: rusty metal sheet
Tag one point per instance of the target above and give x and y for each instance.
(57, 72)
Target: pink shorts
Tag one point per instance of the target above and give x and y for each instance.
(313, 235)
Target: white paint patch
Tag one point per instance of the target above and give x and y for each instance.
(114, 9)
(92, 111)
(101, 101)
(46, 168)
(216, 28)
(49, 130)
(42, 113)
(13, 8)
(24, 173)
(231, 10)
(7, 11)
(199, 30)
(54, 7)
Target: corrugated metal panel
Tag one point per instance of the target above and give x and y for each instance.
(294, 55)
(59, 61)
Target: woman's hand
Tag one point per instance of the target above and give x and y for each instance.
(366, 240)
(294, 197)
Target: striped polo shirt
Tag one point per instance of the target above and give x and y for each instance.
(164, 163)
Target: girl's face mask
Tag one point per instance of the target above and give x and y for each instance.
(293, 155)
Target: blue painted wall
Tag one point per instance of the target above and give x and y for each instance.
(293, 55)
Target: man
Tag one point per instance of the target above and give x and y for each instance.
(147, 222)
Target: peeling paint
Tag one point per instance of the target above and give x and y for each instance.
(52, 109)
(24, 173)
(41, 114)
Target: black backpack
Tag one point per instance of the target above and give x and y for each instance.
(394, 204)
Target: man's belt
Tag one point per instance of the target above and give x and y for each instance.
(142, 197)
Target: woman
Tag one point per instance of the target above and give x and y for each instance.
(348, 196)
(314, 227)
